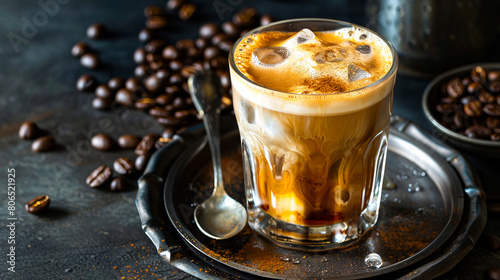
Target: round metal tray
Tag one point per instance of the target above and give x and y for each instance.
(432, 213)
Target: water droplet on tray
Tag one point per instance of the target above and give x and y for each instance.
(373, 260)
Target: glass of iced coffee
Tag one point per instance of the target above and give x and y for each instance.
(313, 101)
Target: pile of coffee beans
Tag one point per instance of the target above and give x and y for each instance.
(471, 105)
(158, 85)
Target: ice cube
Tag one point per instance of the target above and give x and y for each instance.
(304, 35)
(355, 73)
(333, 55)
(270, 56)
(364, 49)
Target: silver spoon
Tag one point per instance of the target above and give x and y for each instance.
(220, 216)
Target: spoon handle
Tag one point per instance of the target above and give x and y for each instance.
(212, 125)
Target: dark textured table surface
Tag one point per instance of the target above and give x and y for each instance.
(96, 234)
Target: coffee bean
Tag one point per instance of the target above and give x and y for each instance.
(225, 45)
(99, 176)
(118, 184)
(168, 133)
(473, 109)
(187, 11)
(169, 121)
(225, 80)
(158, 112)
(153, 10)
(495, 136)
(155, 46)
(246, 18)
(141, 161)
(266, 19)
(175, 65)
(163, 99)
(116, 83)
(145, 35)
(495, 87)
(201, 43)
(38, 204)
(467, 99)
(133, 83)
(493, 122)
(162, 142)
(478, 131)
(103, 91)
(153, 84)
(219, 62)
(102, 103)
(178, 103)
(141, 71)
(211, 52)
(173, 90)
(123, 166)
(474, 87)
(187, 71)
(208, 30)
(175, 4)
(479, 75)
(170, 52)
(128, 141)
(175, 79)
(444, 108)
(140, 56)
(43, 144)
(124, 97)
(493, 273)
(455, 88)
(86, 83)
(144, 103)
(96, 31)
(184, 44)
(90, 60)
(491, 241)
(486, 97)
(79, 49)
(103, 142)
(492, 110)
(466, 81)
(146, 146)
(156, 22)
(494, 76)
(231, 29)
(28, 130)
(162, 75)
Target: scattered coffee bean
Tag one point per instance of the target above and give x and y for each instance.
(162, 142)
(79, 49)
(146, 145)
(102, 103)
(116, 83)
(38, 204)
(153, 10)
(145, 35)
(102, 142)
(266, 19)
(156, 22)
(99, 176)
(247, 17)
(128, 141)
(140, 56)
(491, 241)
(187, 11)
(124, 97)
(208, 30)
(168, 133)
(493, 273)
(123, 166)
(231, 29)
(43, 144)
(144, 103)
(155, 46)
(158, 112)
(90, 60)
(86, 83)
(175, 4)
(96, 31)
(494, 76)
(28, 130)
(141, 161)
(103, 91)
(118, 184)
(141, 71)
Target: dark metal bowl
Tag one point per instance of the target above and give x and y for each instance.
(430, 98)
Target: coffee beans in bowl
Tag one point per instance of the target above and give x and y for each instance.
(464, 105)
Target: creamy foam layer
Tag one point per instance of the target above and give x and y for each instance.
(314, 78)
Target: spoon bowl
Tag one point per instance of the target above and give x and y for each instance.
(220, 216)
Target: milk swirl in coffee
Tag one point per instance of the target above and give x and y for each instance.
(313, 111)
